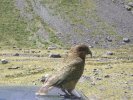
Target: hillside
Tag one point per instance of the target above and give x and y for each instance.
(39, 23)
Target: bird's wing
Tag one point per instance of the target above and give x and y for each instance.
(67, 73)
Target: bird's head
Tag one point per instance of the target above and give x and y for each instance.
(81, 50)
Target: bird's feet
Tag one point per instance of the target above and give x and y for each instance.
(70, 96)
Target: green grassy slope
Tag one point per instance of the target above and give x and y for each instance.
(80, 12)
(18, 31)
(12, 26)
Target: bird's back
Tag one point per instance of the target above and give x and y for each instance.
(70, 72)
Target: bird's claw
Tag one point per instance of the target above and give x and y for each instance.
(70, 96)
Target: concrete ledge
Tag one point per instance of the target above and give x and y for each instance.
(28, 93)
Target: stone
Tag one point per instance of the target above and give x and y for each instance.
(14, 67)
(4, 61)
(93, 83)
(95, 70)
(102, 88)
(43, 78)
(128, 8)
(51, 48)
(110, 53)
(98, 78)
(86, 78)
(109, 39)
(54, 55)
(95, 42)
(108, 67)
(126, 40)
(90, 46)
(14, 47)
(16, 54)
(107, 76)
(130, 4)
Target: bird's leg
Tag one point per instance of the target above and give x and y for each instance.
(66, 95)
(73, 95)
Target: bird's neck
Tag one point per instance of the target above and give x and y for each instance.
(76, 55)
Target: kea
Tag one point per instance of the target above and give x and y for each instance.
(67, 77)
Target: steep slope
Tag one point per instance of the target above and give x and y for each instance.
(40, 23)
(21, 27)
(12, 26)
(102, 23)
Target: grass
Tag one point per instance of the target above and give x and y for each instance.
(21, 32)
(31, 68)
(12, 26)
(78, 12)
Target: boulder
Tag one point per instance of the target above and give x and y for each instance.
(51, 48)
(16, 54)
(14, 67)
(4, 61)
(54, 55)
(130, 4)
(109, 39)
(128, 8)
(107, 76)
(110, 53)
(126, 40)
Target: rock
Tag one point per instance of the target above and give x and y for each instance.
(107, 76)
(102, 88)
(87, 78)
(16, 67)
(90, 46)
(95, 70)
(128, 7)
(108, 67)
(54, 55)
(110, 53)
(93, 83)
(14, 47)
(98, 78)
(44, 78)
(130, 4)
(126, 40)
(16, 54)
(48, 51)
(108, 39)
(51, 48)
(96, 73)
(4, 61)
(35, 51)
(95, 42)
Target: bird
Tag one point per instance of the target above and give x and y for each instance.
(67, 77)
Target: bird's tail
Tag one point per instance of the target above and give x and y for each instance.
(44, 89)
